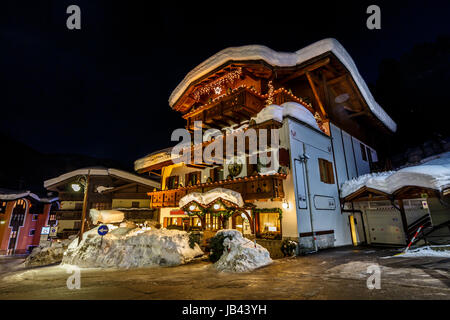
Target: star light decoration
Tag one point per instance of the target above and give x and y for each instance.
(217, 85)
(269, 100)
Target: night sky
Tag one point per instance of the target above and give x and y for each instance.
(102, 91)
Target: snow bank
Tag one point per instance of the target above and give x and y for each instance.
(129, 248)
(212, 195)
(45, 255)
(240, 254)
(106, 216)
(285, 59)
(433, 174)
(428, 251)
(287, 109)
(101, 189)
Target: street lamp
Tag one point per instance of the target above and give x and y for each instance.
(83, 181)
(76, 187)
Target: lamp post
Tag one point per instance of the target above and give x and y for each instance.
(76, 187)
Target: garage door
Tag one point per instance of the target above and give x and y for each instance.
(385, 226)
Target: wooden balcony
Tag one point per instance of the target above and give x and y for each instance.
(239, 105)
(251, 188)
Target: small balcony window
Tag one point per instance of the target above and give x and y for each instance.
(172, 182)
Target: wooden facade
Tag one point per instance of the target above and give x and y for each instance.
(251, 188)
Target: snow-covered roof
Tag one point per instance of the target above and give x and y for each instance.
(102, 172)
(153, 159)
(9, 195)
(431, 174)
(285, 59)
(210, 196)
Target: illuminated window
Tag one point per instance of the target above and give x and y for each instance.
(239, 223)
(269, 225)
(35, 217)
(172, 182)
(326, 171)
(193, 178)
(212, 222)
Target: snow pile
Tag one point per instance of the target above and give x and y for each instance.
(101, 189)
(132, 247)
(428, 251)
(433, 174)
(285, 59)
(287, 109)
(106, 216)
(240, 254)
(210, 196)
(45, 255)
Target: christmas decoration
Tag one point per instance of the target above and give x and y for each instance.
(269, 100)
(217, 85)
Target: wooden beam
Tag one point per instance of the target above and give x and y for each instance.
(358, 114)
(120, 188)
(316, 95)
(337, 79)
(310, 68)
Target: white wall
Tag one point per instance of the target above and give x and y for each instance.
(347, 154)
(339, 154)
(316, 145)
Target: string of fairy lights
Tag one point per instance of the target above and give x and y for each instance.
(217, 85)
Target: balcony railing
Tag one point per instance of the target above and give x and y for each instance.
(240, 104)
(251, 188)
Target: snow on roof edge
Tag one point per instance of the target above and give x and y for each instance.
(101, 172)
(285, 59)
(432, 174)
(14, 196)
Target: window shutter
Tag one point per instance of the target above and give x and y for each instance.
(330, 173)
(165, 222)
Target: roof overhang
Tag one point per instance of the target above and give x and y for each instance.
(120, 174)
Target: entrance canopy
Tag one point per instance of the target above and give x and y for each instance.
(432, 174)
(210, 197)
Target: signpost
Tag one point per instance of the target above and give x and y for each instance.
(102, 230)
(43, 241)
(53, 232)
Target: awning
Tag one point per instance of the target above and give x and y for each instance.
(433, 174)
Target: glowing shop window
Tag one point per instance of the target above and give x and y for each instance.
(212, 222)
(269, 222)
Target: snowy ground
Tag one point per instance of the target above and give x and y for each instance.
(330, 274)
(428, 251)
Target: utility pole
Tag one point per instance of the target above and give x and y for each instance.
(83, 214)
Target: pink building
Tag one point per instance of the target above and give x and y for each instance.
(22, 217)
